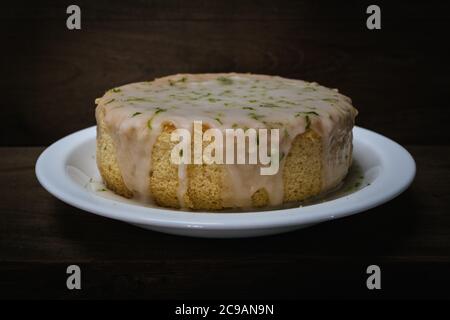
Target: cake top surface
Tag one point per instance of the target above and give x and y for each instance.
(228, 101)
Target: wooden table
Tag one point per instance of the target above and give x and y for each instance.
(409, 238)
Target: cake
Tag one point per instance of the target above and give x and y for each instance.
(135, 123)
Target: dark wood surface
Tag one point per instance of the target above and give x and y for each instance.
(398, 78)
(409, 238)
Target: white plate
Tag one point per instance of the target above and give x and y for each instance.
(67, 169)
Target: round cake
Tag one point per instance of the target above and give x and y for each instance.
(136, 122)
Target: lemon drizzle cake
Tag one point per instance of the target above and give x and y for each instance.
(134, 123)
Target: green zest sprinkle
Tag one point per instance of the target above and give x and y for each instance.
(218, 120)
(225, 80)
(248, 108)
(331, 100)
(138, 99)
(285, 101)
(255, 116)
(269, 105)
(306, 113)
(200, 97)
(213, 99)
(100, 190)
(308, 122)
(159, 110)
(136, 114)
(115, 90)
(109, 101)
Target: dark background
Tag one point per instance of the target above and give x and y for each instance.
(398, 78)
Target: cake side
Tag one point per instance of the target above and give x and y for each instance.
(302, 173)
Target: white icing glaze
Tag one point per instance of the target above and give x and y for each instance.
(135, 113)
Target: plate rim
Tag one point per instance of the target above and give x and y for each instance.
(372, 196)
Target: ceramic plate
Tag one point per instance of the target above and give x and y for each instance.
(382, 169)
